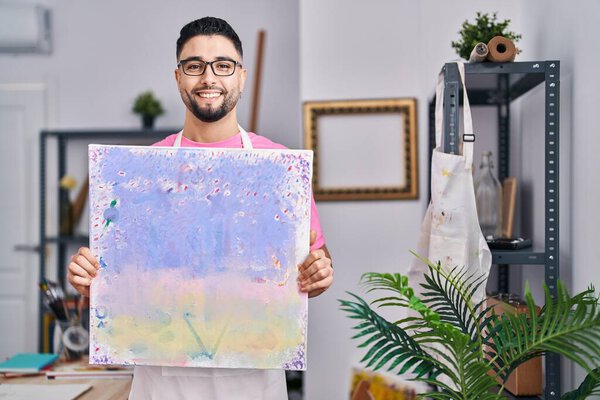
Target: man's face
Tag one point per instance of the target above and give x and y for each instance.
(208, 96)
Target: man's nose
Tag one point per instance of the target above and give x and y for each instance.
(208, 76)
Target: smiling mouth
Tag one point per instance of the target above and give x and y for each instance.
(208, 94)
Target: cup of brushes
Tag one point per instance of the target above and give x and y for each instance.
(74, 339)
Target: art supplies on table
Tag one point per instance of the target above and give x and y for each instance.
(27, 362)
(74, 338)
(83, 370)
(54, 298)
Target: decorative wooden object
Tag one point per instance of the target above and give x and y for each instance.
(80, 201)
(501, 49)
(509, 194)
(257, 80)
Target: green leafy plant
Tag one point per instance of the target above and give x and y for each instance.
(468, 343)
(146, 104)
(484, 28)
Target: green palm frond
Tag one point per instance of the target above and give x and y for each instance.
(391, 282)
(569, 326)
(387, 342)
(589, 387)
(438, 349)
(450, 295)
(459, 359)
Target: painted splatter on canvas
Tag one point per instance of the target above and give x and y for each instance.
(198, 251)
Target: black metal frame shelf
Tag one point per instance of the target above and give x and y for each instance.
(511, 396)
(62, 138)
(498, 84)
(523, 256)
(76, 239)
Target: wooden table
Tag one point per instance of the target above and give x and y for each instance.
(102, 389)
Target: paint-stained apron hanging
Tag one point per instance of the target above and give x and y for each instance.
(450, 231)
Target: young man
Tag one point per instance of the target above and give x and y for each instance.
(211, 77)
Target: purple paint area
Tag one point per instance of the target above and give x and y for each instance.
(200, 208)
(298, 360)
(198, 251)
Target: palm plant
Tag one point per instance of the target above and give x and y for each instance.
(462, 348)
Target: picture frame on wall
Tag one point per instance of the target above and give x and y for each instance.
(363, 149)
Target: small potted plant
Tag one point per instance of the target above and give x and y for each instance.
(148, 107)
(484, 28)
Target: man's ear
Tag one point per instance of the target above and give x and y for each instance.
(177, 73)
(243, 76)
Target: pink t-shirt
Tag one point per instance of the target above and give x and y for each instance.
(258, 142)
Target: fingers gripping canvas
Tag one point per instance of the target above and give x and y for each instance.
(198, 252)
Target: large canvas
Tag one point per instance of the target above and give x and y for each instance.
(198, 252)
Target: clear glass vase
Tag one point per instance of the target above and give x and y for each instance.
(71, 339)
(488, 195)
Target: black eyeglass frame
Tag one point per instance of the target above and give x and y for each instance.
(181, 63)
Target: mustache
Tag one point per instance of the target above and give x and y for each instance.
(208, 87)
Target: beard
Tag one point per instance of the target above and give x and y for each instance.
(211, 113)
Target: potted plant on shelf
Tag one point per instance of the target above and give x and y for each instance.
(461, 348)
(484, 28)
(148, 107)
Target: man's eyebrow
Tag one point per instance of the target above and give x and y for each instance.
(199, 58)
(193, 58)
(224, 59)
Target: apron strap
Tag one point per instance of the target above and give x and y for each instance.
(467, 120)
(246, 142)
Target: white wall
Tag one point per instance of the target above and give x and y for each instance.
(106, 52)
(351, 50)
(566, 31)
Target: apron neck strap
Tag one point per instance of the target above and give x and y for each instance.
(467, 147)
(246, 142)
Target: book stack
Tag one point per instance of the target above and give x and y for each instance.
(27, 364)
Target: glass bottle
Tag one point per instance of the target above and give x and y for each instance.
(488, 196)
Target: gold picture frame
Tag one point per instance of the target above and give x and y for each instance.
(363, 149)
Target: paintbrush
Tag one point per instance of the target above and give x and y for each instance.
(55, 299)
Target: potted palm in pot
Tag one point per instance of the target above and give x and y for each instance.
(463, 349)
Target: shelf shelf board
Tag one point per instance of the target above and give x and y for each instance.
(517, 67)
(65, 239)
(522, 256)
(482, 81)
(513, 397)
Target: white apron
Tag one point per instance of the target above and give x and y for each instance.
(450, 232)
(175, 383)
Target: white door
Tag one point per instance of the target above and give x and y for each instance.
(22, 115)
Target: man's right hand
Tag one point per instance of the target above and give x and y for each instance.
(82, 269)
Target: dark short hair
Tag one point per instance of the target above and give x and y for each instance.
(208, 26)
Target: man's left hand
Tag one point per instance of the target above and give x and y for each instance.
(316, 272)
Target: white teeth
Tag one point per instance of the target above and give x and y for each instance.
(209, 95)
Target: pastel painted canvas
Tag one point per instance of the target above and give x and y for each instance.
(198, 251)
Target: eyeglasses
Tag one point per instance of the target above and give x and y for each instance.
(194, 67)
